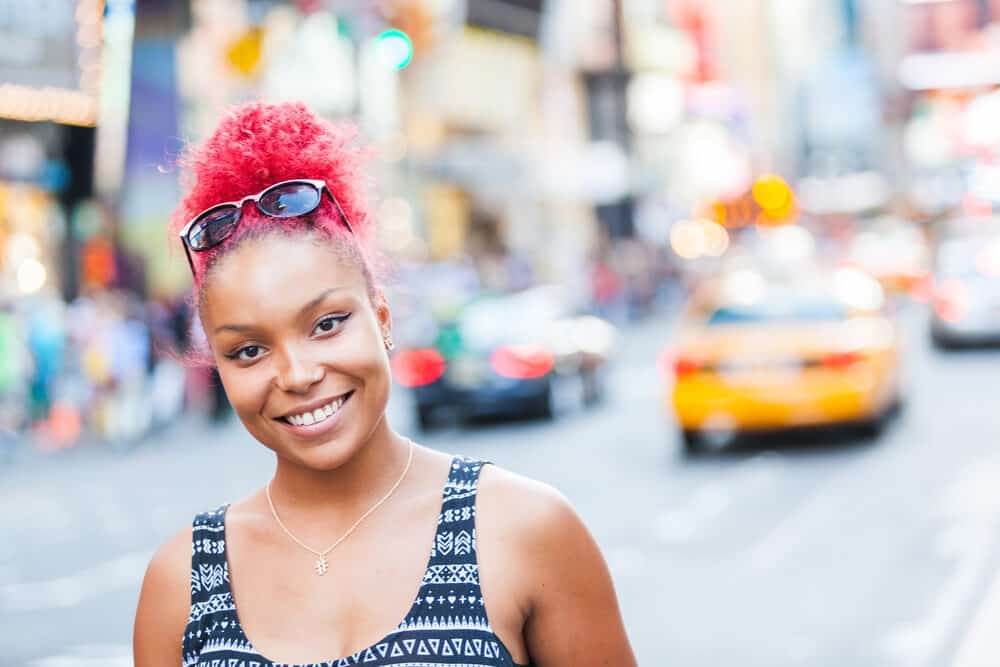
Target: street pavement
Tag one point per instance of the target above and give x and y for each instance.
(804, 550)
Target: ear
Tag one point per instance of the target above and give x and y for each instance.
(382, 312)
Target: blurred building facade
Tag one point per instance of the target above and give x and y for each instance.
(604, 144)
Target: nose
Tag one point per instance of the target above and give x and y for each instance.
(296, 373)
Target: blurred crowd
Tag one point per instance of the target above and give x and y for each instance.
(107, 367)
(110, 367)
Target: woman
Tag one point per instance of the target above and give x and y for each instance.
(328, 563)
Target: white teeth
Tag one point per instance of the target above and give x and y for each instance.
(317, 415)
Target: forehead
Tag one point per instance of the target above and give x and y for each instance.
(270, 276)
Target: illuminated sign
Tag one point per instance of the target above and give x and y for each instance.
(50, 53)
(517, 17)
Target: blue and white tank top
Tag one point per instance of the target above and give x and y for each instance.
(446, 625)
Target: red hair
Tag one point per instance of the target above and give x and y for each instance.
(258, 144)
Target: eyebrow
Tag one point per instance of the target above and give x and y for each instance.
(246, 328)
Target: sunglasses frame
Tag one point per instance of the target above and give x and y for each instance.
(238, 207)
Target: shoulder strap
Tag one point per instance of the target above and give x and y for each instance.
(450, 588)
(455, 541)
(209, 569)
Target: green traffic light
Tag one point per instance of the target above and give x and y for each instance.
(395, 47)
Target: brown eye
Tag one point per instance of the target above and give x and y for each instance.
(330, 323)
(248, 353)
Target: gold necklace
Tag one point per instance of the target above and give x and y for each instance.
(321, 565)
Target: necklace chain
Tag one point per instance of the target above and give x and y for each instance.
(321, 564)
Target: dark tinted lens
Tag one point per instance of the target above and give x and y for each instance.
(288, 201)
(213, 228)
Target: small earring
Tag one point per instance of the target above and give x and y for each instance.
(388, 342)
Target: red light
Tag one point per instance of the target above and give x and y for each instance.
(951, 301)
(838, 361)
(684, 367)
(416, 368)
(522, 362)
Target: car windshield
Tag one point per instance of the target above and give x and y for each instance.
(524, 317)
(778, 311)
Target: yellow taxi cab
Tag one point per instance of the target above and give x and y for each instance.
(753, 354)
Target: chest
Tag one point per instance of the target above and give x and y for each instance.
(290, 613)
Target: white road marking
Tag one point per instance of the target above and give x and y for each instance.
(23, 511)
(8, 573)
(112, 516)
(814, 513)
(684, 524)
(710, 501)
(91, 655)
(981, 644)
(971, 509)
(73, 590)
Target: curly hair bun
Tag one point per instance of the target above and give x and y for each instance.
(258, 144)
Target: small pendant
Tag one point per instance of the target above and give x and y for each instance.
(321, 566)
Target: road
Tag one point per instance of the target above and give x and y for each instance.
(798, 551)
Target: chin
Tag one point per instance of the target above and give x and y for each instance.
(323, 458)
(327, 454)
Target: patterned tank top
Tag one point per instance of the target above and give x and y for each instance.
(446, 625)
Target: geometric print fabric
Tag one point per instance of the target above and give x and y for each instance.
(446, 625)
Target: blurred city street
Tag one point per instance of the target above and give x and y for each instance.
(724, 272)
(803, 550)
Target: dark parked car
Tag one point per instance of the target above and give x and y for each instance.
(519, 354)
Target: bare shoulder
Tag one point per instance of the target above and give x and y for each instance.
(535, 515)
(532, 503)
(164, 603)
(570, 609)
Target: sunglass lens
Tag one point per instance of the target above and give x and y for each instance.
(213, 228)
(288, 201)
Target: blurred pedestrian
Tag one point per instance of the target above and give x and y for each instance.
(15, 369)
(46, 340)
(330, 559)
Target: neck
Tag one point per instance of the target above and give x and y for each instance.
(356, 484)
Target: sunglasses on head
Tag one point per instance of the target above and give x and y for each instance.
(287, 199)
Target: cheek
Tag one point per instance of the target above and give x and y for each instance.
(367, 360)
(363, 358)
(246, 388)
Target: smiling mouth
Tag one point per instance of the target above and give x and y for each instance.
(319, 414)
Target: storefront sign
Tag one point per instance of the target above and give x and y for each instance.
(50, 60)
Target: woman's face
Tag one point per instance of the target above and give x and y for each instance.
(300, 347)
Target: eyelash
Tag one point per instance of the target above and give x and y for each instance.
(338, 319)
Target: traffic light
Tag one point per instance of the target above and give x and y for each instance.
(411, 31)
(395, 48)
(776, 200)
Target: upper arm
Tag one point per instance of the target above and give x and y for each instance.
(563, 604)
(574, 617)
(164, 605)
